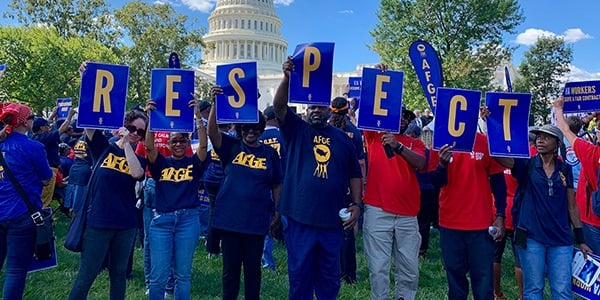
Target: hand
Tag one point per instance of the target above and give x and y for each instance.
(82, 67)
(389, 139)
(381, 66)
(123, 134)
(275, 227)
(484, 112)
(355, 211)
(72, 112)
(288, 66)
(559, 103)
(150, 105)
(585, 250)
(499, 223)
(445, 155)
(216, 90)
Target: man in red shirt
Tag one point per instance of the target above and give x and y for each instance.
(391, 206)
(467, 182)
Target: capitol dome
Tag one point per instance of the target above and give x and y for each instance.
(245, 30)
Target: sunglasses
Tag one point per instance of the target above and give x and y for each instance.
(181, 142)
(138, 131)
(248, 127)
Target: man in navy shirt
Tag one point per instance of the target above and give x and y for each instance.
(320, 166)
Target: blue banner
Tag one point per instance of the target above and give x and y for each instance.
(63, 106)
(174, 61)
(103, 96)
(381, 100)
(586, 280)
(172, 90)
(508, 82)
(354, 84)
(583, 96)
(507, 124)
(427, 65)
(239, 101)
(456, 118)
(310, 81)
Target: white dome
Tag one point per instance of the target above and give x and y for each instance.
(245, 30)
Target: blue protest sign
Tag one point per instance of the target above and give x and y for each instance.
(583, 96)
(2, 69)
(381, 100)
(310, 82)
(427, 65)
(586, 274)
(63, 105)
(508, 82)
(38, 265)
(456, 117)
(172, 90)
(507, 124)
(174, 61)
(239, 101)
(354, 84)
(103, 96)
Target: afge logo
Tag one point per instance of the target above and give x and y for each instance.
(322, 155)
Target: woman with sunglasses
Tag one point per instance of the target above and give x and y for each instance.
(251, 186)
(544, 205)
(111, 221)
(175, 225)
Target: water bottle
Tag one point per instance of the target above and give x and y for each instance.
(494, 231)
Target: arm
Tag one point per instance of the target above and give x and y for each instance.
(506, 162)
(439, 177)
(135, 167)
(65, 125)
(561, 122)
(151, 152)
(202, 137)
(355, 207)
(54, 114)
(213, 128)
(280, 99)
(576, 221)
(498, 186)
(415, 160)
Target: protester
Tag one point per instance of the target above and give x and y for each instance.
(79, 176)
(111, 222)
(175, 226)
(252, 183)
(546, 204)
(26, 159)
(320, 167)
(467, 182)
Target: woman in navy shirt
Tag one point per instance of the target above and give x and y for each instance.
(251, 187)
(175, 225)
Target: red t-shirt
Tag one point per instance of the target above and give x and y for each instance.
(466, 200)
(589, 156)
(392, 183)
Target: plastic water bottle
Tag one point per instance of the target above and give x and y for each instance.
(344, 214)
(494, 231)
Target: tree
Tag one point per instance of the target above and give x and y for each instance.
(42, 65)
(71, 18)
(155, 31)
(543, 67)
(466, 33)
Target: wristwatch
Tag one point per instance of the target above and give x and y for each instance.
(399, 149)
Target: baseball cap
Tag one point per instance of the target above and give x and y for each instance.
(269, 113)
(38, 123)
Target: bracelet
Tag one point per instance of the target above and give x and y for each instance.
(399, 149)
(578, 232)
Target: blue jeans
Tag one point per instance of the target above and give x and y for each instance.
(591, 234)
(173, 240)
(204, 214)
(313, 261)
(470, 252)
(17, 237)
(268, 260)
(556, 261)
(97, 243)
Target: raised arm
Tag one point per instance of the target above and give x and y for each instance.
(151, 152)
(280, 100)
(65, 125)
(213, 128)
(561, 122)
(202, 137)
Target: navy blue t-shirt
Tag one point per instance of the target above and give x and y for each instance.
(177, 182)
(244, 202)
(112, 189)
(272, 137)
(50, 140)
(82, 164)
(357, 140)
(544, 211)
(319, 165)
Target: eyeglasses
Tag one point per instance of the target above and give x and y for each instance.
(181, 142)
(550, 189)
(248, 127)
(138, 131)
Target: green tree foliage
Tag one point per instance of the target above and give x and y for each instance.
(42, 65)
(466, 33)
(155, 31)
(543, 68)
(71, 18)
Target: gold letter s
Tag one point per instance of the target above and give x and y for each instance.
(233, 75)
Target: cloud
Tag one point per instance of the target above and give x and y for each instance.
(346, 12)
(283, 2)
(530, 36)
(204, 6)
(577, 74)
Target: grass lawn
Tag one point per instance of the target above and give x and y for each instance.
(206, 279)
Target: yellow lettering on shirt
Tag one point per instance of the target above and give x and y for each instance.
(250, 161)
(116, 163)
(214, 156)
(177, 174)
(321, 140)
(274, 143)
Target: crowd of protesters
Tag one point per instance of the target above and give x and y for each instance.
(291, 178)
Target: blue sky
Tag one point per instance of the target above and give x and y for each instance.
(348, 22)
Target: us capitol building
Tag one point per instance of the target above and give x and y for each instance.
(250, 30)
